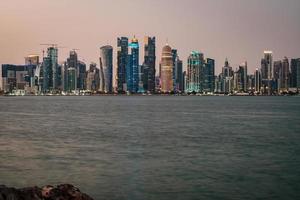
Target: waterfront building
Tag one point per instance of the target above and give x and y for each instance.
(257, 77)
(293, 76)
(226, 78)
(93, 78)
(17, 77)
(281, 75)
(51, 72)
(81, 75)
(178, 75)
(72, 79)
(195, 72)
(122, 53)
(267, 72)
(106, 69)
(166, 70)
(209, 76)
(132, 66)
(240, 78)
(149, 64)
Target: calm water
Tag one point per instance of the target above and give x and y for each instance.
(169, 148)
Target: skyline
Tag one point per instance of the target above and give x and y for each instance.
(223, 29)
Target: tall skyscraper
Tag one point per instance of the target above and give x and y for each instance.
(72, 79)
(209, 75)
(267, 72)
(47, 77)
(149, 64)
(166, 69)
(195, 72)
(284, 75)
(52, 55)
(122, 53)
(93, 78)
(257, 77)
(226, 84)
(106, 66)
(81, 78)
(132, 66)
(293, 80)
(178, 75)
(174, 57)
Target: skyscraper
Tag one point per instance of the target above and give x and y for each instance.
(93, 78)
(195, 72)
(257, 77)
(132, 66)
(174, 57)
(149, 64)
(52, 55)
(226, 84)
(209, 75)
(106, 64)
(166, 69)
(178, 75)
(72, 79)
(284, 75)
(294, 72)
(122, 53)
(267, 72)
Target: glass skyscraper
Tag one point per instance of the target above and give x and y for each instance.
(195, 72)
(209, 75)
(122, 53)
(149, 64)
(132, 66)
(106, 64)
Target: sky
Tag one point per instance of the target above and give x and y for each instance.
(239, 30)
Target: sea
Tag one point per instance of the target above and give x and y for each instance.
(154, 147)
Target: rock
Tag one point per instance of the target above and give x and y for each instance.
(60, 192)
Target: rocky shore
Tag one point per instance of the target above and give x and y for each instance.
(59, 192)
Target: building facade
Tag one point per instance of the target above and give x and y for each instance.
(166, 70)
(106, 68)
(122, 54)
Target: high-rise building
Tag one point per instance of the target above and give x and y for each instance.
(32, 60)
(72, 79)
(149, 64)
(52, 55)
(240, 78)
(293, 81)
(178, 75)
(209, 76)
(166, 69)
(195, 72)
(257, 77)
(174, 57)
(50, 71)
(106, 68)
(81, 78)
(17, 77)
(132, 66)
(281, 75)
(267, 72)
(284, 75)
(93, 78)
(226, 85)
(122, 53)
